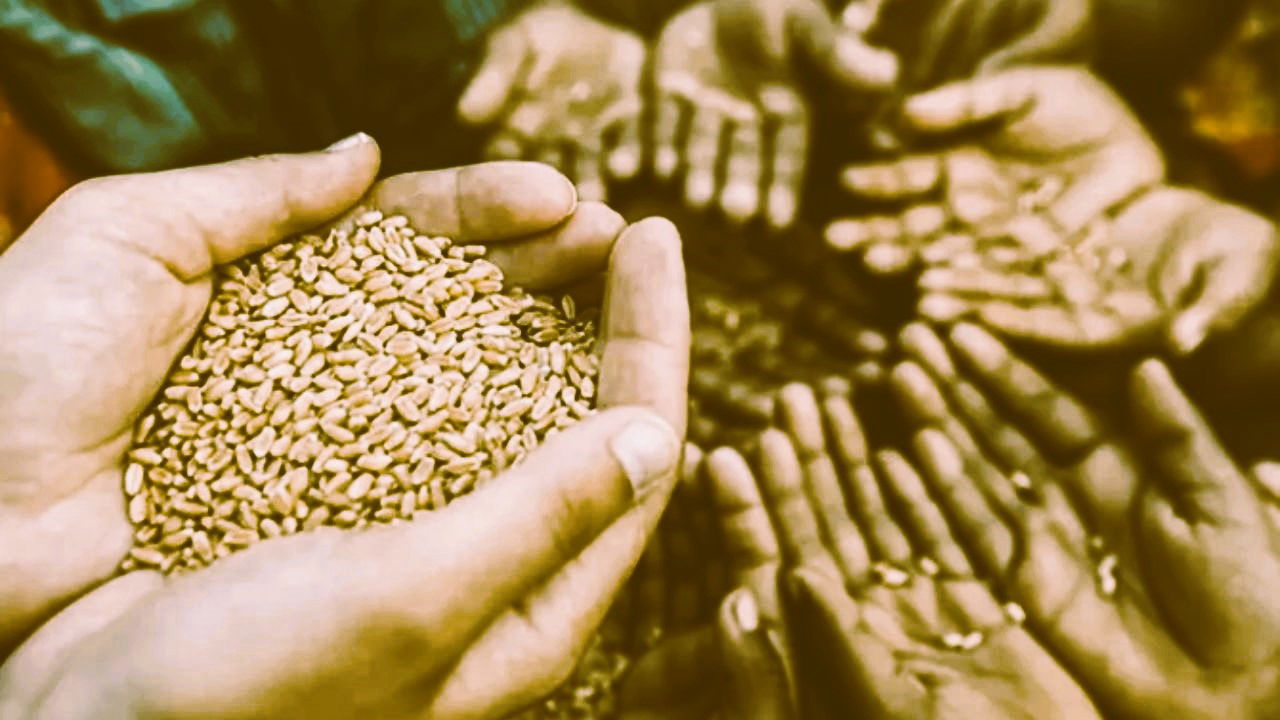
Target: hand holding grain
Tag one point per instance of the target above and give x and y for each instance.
(507, 583)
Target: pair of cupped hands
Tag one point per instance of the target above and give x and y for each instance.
(1020, 559)
(473, 611)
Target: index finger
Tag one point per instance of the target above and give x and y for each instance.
(1056, 419)
(487, 202)
(782, 483)
(750, 543)
(645, 339)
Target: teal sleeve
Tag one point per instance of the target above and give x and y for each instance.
(112, 108)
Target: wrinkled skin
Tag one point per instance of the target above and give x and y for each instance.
(109, 285)
(1026, 125)
(565, 88)
(874, 646)
(1191, 626)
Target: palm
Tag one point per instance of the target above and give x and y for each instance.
(557, 82)
(1054, 136)
(694, 78)
(901, 638)
(1146, 589)
(897, 635)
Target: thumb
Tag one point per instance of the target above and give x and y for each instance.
(842, 55)
(1200, 478)
(496, 79)
(192, 219)
(1217, 274)
(757, 682)
(964, 103)
(534, 519)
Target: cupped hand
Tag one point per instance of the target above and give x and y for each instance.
(1154, 583)
(886, 615)
(1172, 269)
(563, 88)
(97, 298)
(725, 67)
(293, 626)
(1045, 152)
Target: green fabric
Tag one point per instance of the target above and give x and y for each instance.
(128, 85)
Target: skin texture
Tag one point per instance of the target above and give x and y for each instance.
(747, 90)
(1192, 627)
(1195, 266)
(562, 87)
(881, 641)
(294, 627)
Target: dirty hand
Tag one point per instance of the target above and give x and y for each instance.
(1155, 583)
(1172, 269)
(882, 594)
(1056, 135)
(728, 670)
(563, 88)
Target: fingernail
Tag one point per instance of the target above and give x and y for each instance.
(349, 142)
(979, 345)
(746, 611)
(647, 449)
(1189, 331)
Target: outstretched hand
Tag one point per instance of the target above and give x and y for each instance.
(564, 88)
(1122, 566)
(731, 67)
(1056, 132)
